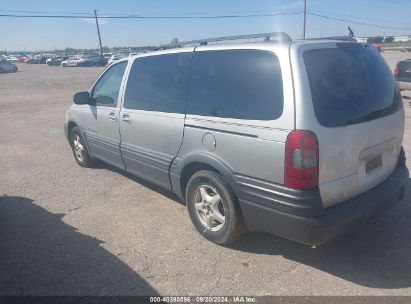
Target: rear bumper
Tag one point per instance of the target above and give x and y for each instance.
(335, 220)
(404, 85)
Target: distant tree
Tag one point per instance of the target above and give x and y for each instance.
(174, 40)
(389, 39)
(376, 39)
(69, 50)
(379, 39)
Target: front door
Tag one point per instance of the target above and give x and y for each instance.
(101, 117)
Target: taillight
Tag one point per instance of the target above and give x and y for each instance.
(396, 71)
(301, 160)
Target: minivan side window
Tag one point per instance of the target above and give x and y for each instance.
(105, 92)
(242, 84)
(158, 83)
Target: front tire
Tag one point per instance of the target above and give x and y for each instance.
(213, 208)
(79, 148)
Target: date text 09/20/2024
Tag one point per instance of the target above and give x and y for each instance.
(205, 299)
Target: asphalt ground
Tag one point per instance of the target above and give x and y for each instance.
(67, 230)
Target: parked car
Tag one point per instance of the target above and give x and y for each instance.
(300, 139)
(32, 60)
(22, 59)
(37, 59)
(402, 73)
(12, 59)
(73, 62)
(54, 61)
(7, 66)
(113, 59)
(116, 57)
(98, 61)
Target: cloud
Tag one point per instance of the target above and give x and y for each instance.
(101, 20)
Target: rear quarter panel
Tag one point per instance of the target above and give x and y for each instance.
(247, 147)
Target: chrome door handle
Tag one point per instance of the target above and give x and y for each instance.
(126, 118)
(112, 116)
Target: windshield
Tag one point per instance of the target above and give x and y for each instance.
(350, 84)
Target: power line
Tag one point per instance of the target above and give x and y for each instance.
(78, 15)
(207, 13)
(359, 22)
(149, 17)
(153, 14)
(40, 12)
(235, 14)
(357, 17)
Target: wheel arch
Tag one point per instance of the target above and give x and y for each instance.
(70, 127)
(196, 162)
(75, 123)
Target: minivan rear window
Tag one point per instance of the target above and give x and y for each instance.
(242, 84)
(350, 84)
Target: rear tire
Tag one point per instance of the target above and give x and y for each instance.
(213, 208)
(15, 69)
(79, 148)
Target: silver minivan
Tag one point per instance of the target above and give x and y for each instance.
(301, 139)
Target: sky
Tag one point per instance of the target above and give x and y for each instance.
(35, 34)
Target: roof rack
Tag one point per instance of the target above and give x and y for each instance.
(281, 36)
(342, 38)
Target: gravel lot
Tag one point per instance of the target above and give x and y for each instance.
(67, 230)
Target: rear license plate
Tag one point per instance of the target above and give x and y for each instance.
(373, 163)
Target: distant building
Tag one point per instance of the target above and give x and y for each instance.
(361, 39)
(404, 38)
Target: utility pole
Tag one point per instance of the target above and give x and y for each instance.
(305, 16)
(98, 32)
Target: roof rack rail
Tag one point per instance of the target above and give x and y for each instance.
(342, 38)
(281, 36)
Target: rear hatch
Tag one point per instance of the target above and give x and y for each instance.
(348, 97)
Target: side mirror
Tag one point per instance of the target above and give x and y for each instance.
(81, 98)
